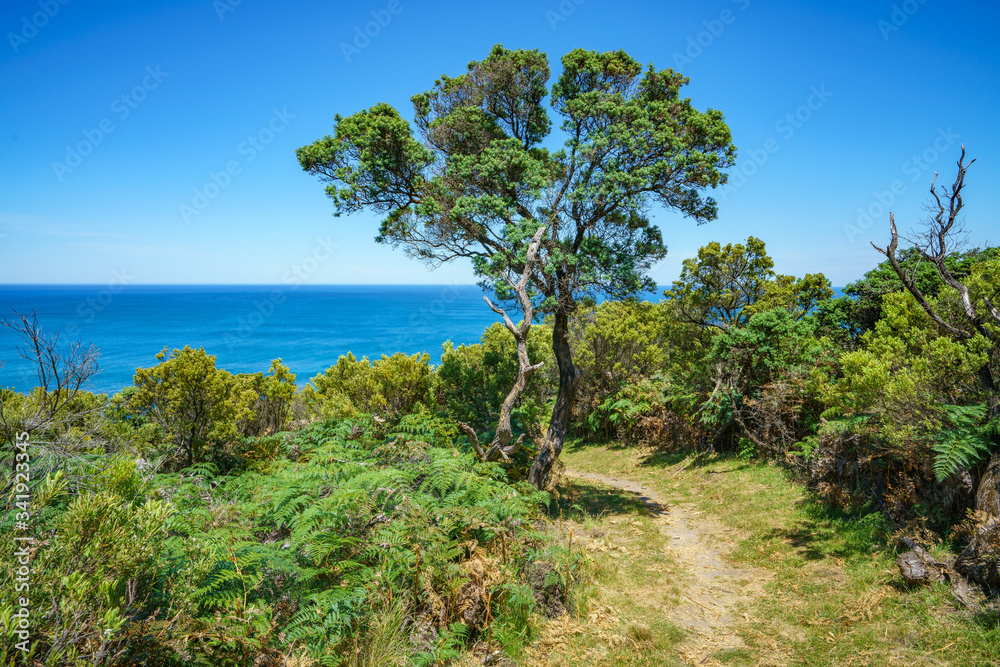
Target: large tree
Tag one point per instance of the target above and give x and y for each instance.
(478, 172)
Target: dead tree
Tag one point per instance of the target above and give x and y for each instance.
(500, 447)
(61, 373)
(943, 235)
(61, 426)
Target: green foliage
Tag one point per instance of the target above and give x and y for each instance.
(472, 380)
(966, 440)
(726, 286)
(195, 403)
(308, 551)
(621, 411)
(861, 307)
(771, 345)
(271, 398)
(904, 369)
(616, 343)
(94, 574)
(475, 175)
(389, 387)
(716, 287)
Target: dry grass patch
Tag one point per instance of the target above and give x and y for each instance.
(834, 596)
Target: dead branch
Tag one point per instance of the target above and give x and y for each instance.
(939, 241)
(500, 447)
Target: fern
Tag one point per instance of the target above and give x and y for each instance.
(963, 445)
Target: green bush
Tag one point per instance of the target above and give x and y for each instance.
(473, 380)
(389, 387)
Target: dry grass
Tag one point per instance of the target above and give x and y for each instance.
(832, 594)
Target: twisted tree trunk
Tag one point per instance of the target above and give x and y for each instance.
(500, 447)
(552, 446)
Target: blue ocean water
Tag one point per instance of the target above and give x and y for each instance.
(308, 327)
(245, 327)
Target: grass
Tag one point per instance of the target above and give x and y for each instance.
(834, 595)
(615, 614)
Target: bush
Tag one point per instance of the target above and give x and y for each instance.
(473, 380)
(202, 410)
(95, 573)
(615, 344)
(388, 387)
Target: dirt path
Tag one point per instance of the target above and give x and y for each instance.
(714, 600)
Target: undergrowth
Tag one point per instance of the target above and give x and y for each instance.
(341, 544)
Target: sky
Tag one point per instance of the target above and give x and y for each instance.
(154, 142)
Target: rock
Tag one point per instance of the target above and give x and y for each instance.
(978, 561)
(920, 568)
(988, 494)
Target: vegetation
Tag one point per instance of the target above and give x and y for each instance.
(476, 181)
(394, 512)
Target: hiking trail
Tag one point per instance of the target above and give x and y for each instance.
(716, 594)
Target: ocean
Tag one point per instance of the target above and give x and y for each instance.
(244, 327)
(308, 327)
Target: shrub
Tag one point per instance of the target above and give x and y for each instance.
(388, 387)
(473, 380)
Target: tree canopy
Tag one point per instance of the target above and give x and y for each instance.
(478, 171)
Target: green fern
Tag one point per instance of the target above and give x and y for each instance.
(965, 443)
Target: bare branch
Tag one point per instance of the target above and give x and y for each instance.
(500, 447)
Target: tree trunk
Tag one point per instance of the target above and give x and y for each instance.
(552, 446)
(500, 447)
(988, 489)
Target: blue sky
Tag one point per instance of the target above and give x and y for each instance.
(120, 117)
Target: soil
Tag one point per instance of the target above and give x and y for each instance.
(717, 594)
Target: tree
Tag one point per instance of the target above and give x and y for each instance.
(726, 285)
(716, 287)
(64, 421)
(500, 446)
(978, 317)
(192, 400)
(476, 179)
(62, 372)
